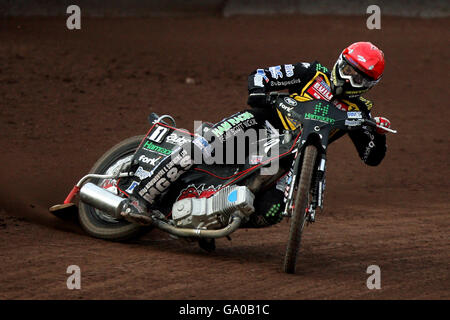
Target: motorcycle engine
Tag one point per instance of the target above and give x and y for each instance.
(213, 212)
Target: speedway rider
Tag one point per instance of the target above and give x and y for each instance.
(359, 67)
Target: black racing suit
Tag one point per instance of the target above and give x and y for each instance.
(306, 81)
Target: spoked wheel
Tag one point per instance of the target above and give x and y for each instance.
(300, 213)
(97, 223)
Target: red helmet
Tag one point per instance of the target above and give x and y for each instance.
(366, 57)
(359, 67)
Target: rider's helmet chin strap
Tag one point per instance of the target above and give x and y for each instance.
(337, 90)
(336, 85)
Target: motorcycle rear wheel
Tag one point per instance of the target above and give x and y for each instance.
(299, 215)
(99, 224)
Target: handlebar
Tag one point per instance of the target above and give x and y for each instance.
(373, 124)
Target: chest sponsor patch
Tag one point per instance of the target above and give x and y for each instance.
(320, 90)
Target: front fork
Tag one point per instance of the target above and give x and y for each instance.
(317, 188)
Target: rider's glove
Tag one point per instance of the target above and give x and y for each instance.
(384, 122)
(257, 100)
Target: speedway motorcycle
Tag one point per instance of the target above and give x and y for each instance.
(213, 201)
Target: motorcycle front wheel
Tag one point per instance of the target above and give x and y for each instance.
(97, 223)
(300, 213)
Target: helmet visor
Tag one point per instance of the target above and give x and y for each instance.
(356, 78)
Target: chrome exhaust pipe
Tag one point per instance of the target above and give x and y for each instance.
(199, 233)
(102, 199)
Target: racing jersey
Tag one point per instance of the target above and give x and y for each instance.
(307, 81)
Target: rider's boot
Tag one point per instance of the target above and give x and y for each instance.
(136, 210)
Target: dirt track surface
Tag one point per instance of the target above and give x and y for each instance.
(68, 96)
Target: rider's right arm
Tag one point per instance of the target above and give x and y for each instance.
(263, 81)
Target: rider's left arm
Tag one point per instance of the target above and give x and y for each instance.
(371, 146)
